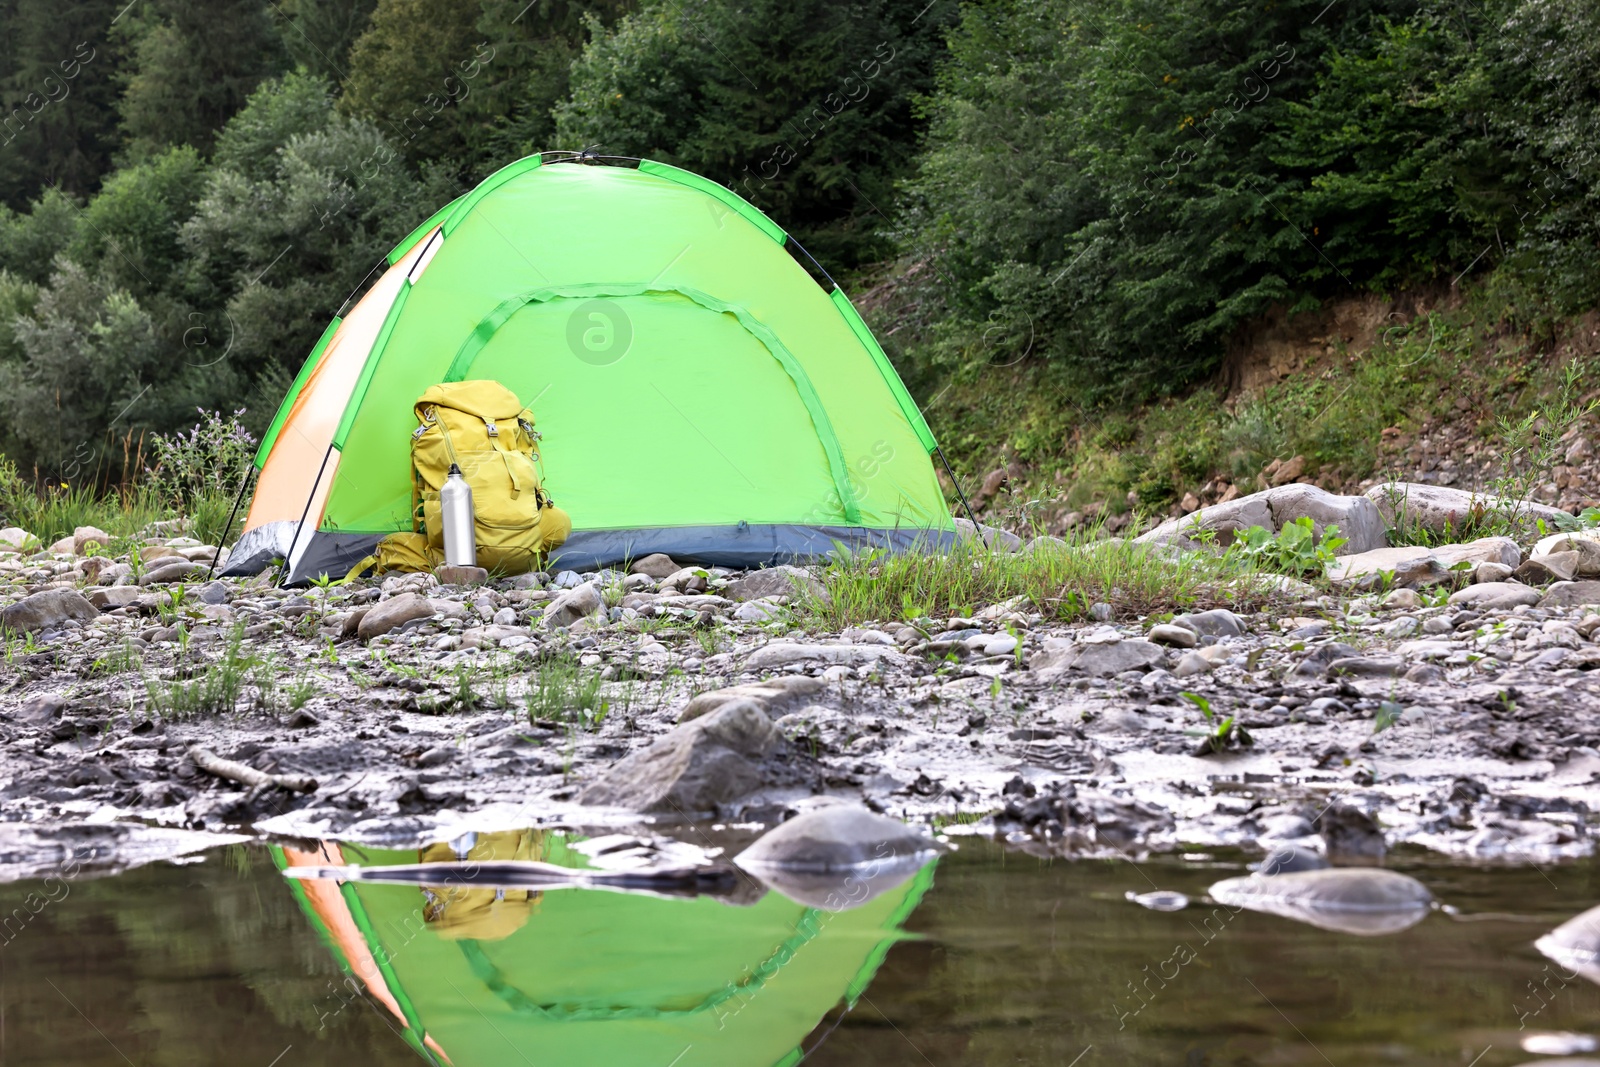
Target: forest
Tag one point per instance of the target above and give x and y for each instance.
(1108, 191)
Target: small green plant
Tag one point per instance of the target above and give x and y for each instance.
(1387, 715)
(1219, 732)
(119, 660)
(219, 686)
(566, 692)
(1294, 550)
(299, 692)
(171, 607)
(1531, 446)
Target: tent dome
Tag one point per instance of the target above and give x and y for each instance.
(698, 392)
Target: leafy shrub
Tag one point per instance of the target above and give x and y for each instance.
(1294, 550)
(206, 462)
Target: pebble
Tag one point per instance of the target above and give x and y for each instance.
(1000, 645)
(1176, 636)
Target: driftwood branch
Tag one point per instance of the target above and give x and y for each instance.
(206, 760)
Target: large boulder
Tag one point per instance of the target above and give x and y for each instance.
(1413, 565)
(1441, 510)
(1357, 518)
(694, 767)
(46, 610)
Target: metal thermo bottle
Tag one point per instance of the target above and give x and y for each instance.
(455, 509)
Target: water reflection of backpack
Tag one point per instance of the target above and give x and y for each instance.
(482, 427)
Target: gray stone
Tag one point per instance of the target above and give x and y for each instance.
(1571, 594)
(773, 581)
(396, 611)
(1575, 944)
(1542, 570)
(833, 838)
(777, 697)
(1218, 622)
(1501, 550)
(783, 654)
(657, 565)
(110, 599)
(1416, 565)
(1356, 900)
(1044, 543)
(1366, 667)
(1402, 600)
(504, 617)
(838, 856)
(1104, 660)
(170, 569)
(1440, 509)
(1404, 626)
(1176, 636)
(999, 645)
(566, 580)
(84, 536)
(1316, 661)
(1408, 565)
(15, 539)
(694, 767)
(1485, 573)
(1490, 595)
(990, 537)
(214, 593)
(1585, 544)
(47, 610)
(1357, 518)
(757, 611)
(1288, 859)
(438, 756)
(41, 708)
(576, 603)
(1191, 664)
(453, 574)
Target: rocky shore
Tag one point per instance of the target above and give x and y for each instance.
(1448, 691)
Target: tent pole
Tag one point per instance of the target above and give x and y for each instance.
(236, 502)
(957, 483)
(301, 525)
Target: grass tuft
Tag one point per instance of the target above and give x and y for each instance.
(1060, 581)
(565, 692)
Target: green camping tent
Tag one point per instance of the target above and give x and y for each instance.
(579, 977)
(698, 391)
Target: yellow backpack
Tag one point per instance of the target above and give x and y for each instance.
(483, 428)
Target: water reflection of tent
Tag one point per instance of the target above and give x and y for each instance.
(594, 977)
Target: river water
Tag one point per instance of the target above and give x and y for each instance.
(987, 957)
